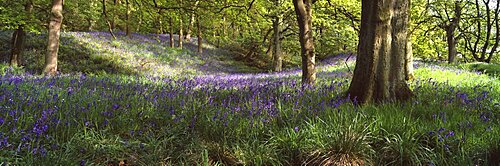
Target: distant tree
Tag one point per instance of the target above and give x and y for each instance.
(303, 10)
(447, 16)
(482, 30)
(127, 15)
(181, 33)
(192, 20)
(18, 39)
(105, 15)
(56, 18)
(379, 75)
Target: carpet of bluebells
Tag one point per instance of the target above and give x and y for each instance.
(245, 119)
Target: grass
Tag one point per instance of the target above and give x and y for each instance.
(244, 119)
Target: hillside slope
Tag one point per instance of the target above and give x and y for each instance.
(149, 55)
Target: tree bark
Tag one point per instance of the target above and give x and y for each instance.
(17, 46)
(160, 21)
(409, 75)
(277, 59)
(127, 23)
(303, 10)
(200, 38)
(181, 35)
(18, 39)
(105, 15)
(56, 18)
(450, 34)
(191, 21)
(171, 32)
(379, 75)
(497, 34)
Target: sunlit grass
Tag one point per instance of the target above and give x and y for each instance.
(245, 119)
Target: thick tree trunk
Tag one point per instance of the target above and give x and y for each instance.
(379, 75)
(452, 44)
(303, 10)
(450, 34)
(200, 38)
(409, 61)
(277, 59)
(56, 18)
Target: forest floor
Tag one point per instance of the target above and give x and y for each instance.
(137, 101)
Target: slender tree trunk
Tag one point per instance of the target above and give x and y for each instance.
(18, 39)
(139, 24)
(200, 38)
(171, 32)
(303, 10)
(277, 59)
(191, 21)
(379, 75)
(112, 24)
(160, 22)
(105, 15)
(127, 23)
(56, 18)
(181, 35)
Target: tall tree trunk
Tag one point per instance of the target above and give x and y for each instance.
(303, 10)
(160, 22)
(200, 38)
(379, 75)
(497, 33)
(171, 32)
(450, 33)
(181, 35)
(139, 24)
(17, 46)
(191, 21)
(112, 23)
(18, 39)
(277, 59)
(56, 18)
(127, 23)
(452, 45)
(105, 15)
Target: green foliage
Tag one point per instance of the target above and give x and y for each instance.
(490, 69)
(12, 70)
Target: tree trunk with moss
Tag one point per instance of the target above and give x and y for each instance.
(379, 75)
(56, 18)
